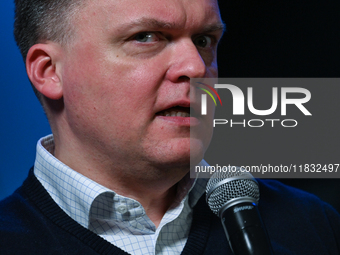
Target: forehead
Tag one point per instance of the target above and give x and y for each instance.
(177, 14)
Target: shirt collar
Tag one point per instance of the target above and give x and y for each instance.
(72, 191)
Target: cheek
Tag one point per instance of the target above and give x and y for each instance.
(102, 83)
(99, 96)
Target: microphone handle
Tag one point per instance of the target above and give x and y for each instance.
(245, 231)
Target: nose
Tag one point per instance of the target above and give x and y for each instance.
(186, 62)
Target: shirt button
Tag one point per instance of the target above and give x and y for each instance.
(122, 209)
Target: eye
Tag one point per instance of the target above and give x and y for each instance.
(203, 41)
(146, 37)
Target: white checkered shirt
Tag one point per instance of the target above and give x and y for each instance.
(120, 220)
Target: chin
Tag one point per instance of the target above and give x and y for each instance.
(185, 153)
(178, 153)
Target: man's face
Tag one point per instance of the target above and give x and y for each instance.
(128, 68)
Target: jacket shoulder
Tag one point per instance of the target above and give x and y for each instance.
(298, 219)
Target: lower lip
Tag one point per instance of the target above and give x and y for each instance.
(182, 121)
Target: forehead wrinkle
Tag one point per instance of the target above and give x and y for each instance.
(151, 23)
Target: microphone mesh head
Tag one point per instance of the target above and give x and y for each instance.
(239, 186)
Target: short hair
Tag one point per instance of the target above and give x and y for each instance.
(37, 21)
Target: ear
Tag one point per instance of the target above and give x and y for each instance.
(42, 63)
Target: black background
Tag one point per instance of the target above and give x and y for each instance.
(283, 39)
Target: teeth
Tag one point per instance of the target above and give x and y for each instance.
(175, 114)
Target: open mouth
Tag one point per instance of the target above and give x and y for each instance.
(177, 111)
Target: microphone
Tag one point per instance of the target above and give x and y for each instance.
(233, 196)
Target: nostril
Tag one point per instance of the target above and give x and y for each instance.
(183, 78)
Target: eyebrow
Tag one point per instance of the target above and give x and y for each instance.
(151, 23)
